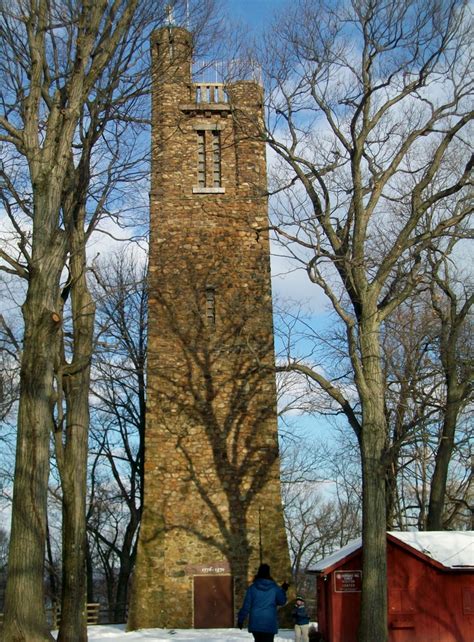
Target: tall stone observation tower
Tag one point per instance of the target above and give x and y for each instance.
(212, 506)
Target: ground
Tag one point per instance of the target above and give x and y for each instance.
(116, 633)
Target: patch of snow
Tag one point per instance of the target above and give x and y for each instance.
(343, 552)
(450, 548)
(116, 633)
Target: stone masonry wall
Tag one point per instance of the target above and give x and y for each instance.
(212, 490)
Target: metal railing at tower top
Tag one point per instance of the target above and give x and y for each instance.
(210, 93)
(215, 72)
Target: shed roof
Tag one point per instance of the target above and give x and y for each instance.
(452, 549)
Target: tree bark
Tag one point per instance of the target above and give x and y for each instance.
(89, 574)
(25, 619)
(373, 614)
(72, 449)
(127, 561)
(373, 440)
(458, 381)
(53, 583)
(443, 457)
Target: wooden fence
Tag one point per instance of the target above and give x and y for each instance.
(54, 614)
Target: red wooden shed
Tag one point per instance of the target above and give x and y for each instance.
(430, 588)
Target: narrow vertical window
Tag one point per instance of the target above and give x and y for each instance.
(210, 307)
(216, 158)
(201, 159)
(208, 159)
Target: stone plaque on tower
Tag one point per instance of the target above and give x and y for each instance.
(212, 507)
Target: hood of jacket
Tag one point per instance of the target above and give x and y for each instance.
(263, 584)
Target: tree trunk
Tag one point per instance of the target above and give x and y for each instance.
(73, 626)
(89, 574)
(392, 512)
(373, 614)
(127, 561)
(443, 457)
(25, 619)
(72, 452)
(53, 579)
(121, 594)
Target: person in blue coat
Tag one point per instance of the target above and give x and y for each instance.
(261, 600)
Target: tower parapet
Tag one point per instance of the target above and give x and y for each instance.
(212, 509)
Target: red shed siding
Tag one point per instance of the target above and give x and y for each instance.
(425, 603)
(338, 612)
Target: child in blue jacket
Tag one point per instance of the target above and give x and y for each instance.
(301, 619)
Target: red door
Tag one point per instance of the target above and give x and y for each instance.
(213, 602)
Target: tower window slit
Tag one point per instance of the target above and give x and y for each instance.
(216, 159)
(209, 158)
(201, 159)
(210, 307)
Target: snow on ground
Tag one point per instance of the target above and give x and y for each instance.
(116, 633)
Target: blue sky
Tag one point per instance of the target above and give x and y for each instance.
(255, 13)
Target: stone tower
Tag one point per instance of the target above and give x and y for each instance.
(212, 506)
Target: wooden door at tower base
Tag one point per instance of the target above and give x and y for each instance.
(213, 602)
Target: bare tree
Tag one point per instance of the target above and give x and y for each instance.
(415, 406)
(420, 407)
(118, 426)
(412, 382)
(9, 362)
(320, 515)
(368, 101)
(452, 306)
(3, 561)
(56, 60)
